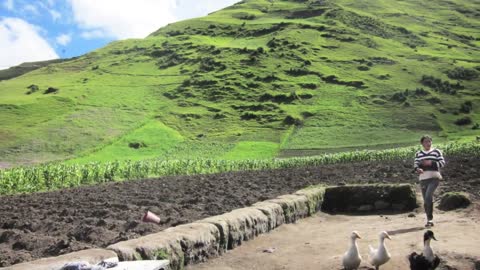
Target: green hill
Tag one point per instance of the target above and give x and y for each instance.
(259, 79)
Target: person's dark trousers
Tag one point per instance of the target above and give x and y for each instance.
(428, 187)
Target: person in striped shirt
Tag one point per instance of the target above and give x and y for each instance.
(427, 164)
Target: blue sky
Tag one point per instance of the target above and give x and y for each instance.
(35, 30)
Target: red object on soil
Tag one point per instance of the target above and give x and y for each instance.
(150, 217)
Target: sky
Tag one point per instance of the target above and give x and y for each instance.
(36, 30)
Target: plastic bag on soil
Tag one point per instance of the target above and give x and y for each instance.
(86, 266)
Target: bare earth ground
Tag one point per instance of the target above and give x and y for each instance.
(53, 223)
(318, 242)
(4, 165)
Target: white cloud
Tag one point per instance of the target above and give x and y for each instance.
(117, 19)
(8, 4)
(20, 42)
(31, 8)
(55, 14)
(121, 19)
(93, 34)
(64, 39)
(195, 8)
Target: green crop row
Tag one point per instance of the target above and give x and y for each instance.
(56, 176)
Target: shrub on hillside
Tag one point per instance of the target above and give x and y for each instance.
(249, 116)
(247, 17)
(334, 80)
(273, 43)
(290, 120)
(209, 64)
(204, 82)
(461, 73)
(253, 85)
(399, 97)
(434, 100)
(161, 53)
(420, 92)
(137, 145)
(384, 77)
(51, 90)
(268, 78)
(308, 85)
(297, 71)
(279, 98)
(170, 60)
(463, 121)
(307, 13)
(32, 89)
(307, 114)
(256, 107)
(219, 116)
(466, 107)
(251, 60)
(305, 96)
(174, 33)
(382, 61)
(440, 86)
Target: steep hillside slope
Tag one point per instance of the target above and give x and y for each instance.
(267, 78)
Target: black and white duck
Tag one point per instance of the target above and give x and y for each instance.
(426, 260)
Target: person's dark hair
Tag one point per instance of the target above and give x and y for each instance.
(425, 137)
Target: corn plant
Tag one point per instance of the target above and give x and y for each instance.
(55, 176)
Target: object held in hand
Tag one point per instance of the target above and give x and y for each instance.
(427, 162)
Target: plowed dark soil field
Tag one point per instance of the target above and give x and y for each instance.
(53, 223)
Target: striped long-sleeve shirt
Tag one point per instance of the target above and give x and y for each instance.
(432, 171)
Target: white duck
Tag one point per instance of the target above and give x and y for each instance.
(427, 260)
(380, 255)
(351, 259)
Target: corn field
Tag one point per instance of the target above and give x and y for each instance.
(56, 176)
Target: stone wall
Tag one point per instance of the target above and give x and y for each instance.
(213, 236)
(370, 198)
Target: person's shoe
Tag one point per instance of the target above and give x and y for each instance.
(429, 223)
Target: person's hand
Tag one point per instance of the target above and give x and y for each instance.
(419, 171)
(427, 163)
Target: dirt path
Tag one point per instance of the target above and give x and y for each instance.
(53, 223)
(319, 242)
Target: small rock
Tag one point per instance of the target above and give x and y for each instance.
(454, 200)
(398, 206)
(381, 205)
(411, 215)
(269, 250)
(365, 208)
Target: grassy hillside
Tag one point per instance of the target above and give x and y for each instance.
(21, 69)
(256, 80)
